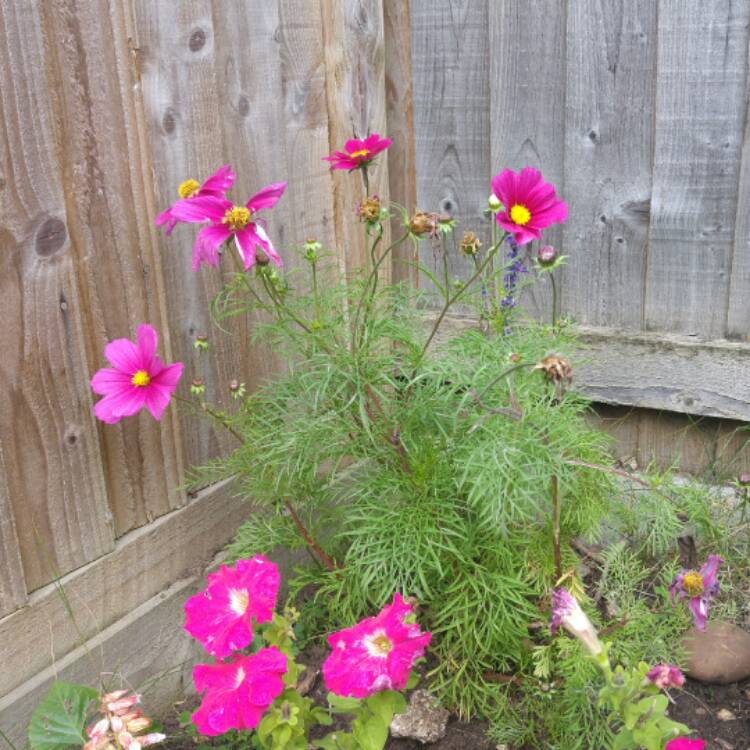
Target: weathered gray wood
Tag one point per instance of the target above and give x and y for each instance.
(738, 308)
(450, 70)
(143, 562)
(700, 110)
(54, 476)
(12, 581)
(527, 79)
(611, 62)
(147, 651)
(654, 371)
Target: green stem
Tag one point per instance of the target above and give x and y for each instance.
(502, 375)
(554, 298)
(206, 409)
(316, 300)
(366, 180)
(453, 299)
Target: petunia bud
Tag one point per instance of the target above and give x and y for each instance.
(470, 244)
(566, 611)
(665, 676)
(547, 255)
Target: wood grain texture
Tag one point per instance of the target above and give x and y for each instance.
(12, 581)
(54, 476)
(528, 92)
(109, 203)
(143, 563)
(451, 75)
(402, 167)
(610, 64)
(354, 43)
(738, 307)
(700, 111)
(146, 651)
(185, 101)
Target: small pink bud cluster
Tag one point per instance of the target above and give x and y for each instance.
(666, 676)
(121, 726)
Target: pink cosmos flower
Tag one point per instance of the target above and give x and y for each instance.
(221, 617)
(683, 743)
(227, 220)
(217, 185)
(136, 379)
(530, 204)
(566, 611)
(700, 586)
(358, 153)
(238, 692)
(665, 676)
(375, 654)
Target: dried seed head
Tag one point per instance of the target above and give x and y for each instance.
(422, 223)
(556, 369)
(470, 244)
(369, 209)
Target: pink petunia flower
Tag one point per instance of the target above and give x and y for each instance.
(358, 153)
(228, 220)
(700, 586)
(684, 743)
(566, 611)
(216, 185)
(136, 379)
(221, 617)
(530, 204)
(375, 654)
(238, 692)
(666, 676)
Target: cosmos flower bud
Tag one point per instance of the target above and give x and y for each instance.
(197, 387)
(547, 255)
(201, 342)
(567, 612)
(744, 480)
(261, 258)
(237, 389)
(369, 209)
(470, 244)
(556, 369)
(494, 203)
(665, 676)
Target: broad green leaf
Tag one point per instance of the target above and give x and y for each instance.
(59, 721)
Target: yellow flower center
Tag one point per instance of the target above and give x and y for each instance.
(357, 154)
(188, 188)
(693, 583)
(520, 214)
(141, 379)
(378, 644)
(239, 600)
(236, 218)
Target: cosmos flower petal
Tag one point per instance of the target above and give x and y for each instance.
(207, 244)
(201, 208)
(108, 380)
(267, 197)
(245, 242)
(219, 182)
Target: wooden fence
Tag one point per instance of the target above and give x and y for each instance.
(636, 109)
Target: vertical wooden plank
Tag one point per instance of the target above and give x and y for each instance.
(738, 309)
(184, 106)
(611, 67)
(528, 101)
(700, 110)
(451, 84)
(355, 94)
(12, 581)
(109, 203)
(402, 168)
(54, 475)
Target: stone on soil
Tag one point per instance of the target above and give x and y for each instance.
(719, 655)
(423, 719)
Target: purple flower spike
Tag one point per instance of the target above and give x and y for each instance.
(700, 587)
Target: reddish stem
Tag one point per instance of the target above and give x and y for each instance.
(307, 536)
